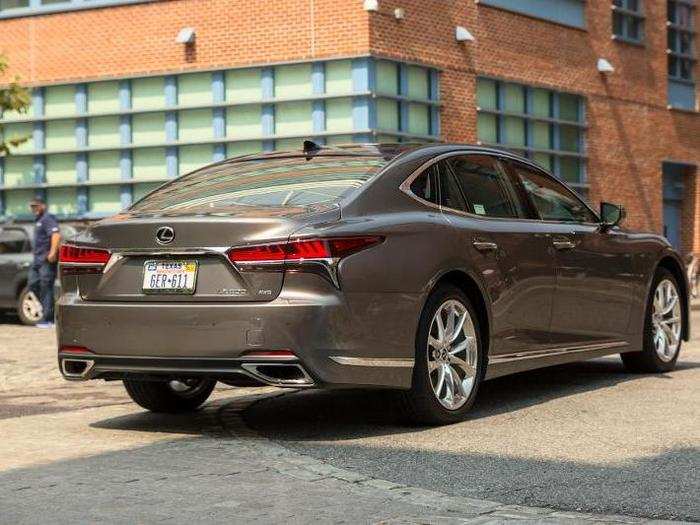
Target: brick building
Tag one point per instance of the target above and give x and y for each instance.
(129, 93)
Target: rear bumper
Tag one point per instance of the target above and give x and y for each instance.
(338, 340)
(288, 372)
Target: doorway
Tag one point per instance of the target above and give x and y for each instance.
(673, 192)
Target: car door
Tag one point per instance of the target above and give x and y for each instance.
(13, 243)
(511, 253)
(593, 266)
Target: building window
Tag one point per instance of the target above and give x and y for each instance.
(566, 12)
(106, 143)
(544, 125)
(628, 20)
(681, 54)
(15, 8)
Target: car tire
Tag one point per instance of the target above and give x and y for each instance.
(167, 396)
(29, 308)
(428, 401)
(659, 355)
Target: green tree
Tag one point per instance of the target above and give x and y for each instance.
(13, 97)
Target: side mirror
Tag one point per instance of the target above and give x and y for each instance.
(611, 215)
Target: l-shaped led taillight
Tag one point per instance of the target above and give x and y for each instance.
(78, 260)
(299, 250)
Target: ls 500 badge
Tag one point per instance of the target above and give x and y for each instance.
(235, 292)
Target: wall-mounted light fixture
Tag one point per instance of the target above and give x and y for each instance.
(371, 5)
(604, 66)
(462, 34)
(186, 35)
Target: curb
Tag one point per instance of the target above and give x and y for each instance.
(307, 468)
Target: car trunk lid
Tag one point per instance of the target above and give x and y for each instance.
(200, 239)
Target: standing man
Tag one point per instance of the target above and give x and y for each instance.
(42, 274)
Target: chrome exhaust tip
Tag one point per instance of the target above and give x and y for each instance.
(76, 369)
(279, 374)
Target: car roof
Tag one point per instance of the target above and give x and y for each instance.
(386, 150)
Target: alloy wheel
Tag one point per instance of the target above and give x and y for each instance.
(452, 354)
(31, 307)
(666, 320)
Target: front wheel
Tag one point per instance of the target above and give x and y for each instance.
(449, 360)
(170, 396)
(663, 328)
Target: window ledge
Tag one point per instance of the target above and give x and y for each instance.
(682, 110)
(629, 41)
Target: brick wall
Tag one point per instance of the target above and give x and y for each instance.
(140, 39)
(630, 133)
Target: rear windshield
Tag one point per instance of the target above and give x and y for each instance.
(278, 182)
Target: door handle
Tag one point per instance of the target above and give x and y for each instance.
(563, 244)
(485, 246)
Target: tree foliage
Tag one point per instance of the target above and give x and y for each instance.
(13, 97)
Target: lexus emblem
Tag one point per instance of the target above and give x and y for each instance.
(165, 235)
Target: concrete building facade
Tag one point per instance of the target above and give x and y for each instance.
(128, 94)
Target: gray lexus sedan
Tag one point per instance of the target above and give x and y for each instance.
(423, 269)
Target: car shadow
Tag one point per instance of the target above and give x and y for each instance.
(341, 415)
(338, 415)
(330, 425)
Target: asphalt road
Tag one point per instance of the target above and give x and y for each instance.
(585, 437)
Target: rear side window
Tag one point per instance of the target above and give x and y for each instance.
(425, 185)
(450, 195)
(13, 241)
(485, 187)
(272, 182)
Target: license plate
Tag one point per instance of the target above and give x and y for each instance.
(169, 277)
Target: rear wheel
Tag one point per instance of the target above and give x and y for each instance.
(170, 396)
(663, 328)
(29, 308)
(449, 360)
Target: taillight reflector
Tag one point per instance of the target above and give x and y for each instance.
(270, 353)
(74, 349)
(302, 249)
(76, 255)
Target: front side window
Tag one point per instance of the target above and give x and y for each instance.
(13, 241)
(484, 186)
(628, 20)
(546, 126)
(552, 201)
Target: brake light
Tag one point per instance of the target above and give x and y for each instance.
(303, 249)
(69, 254)
(267, 252)
(76, 260)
